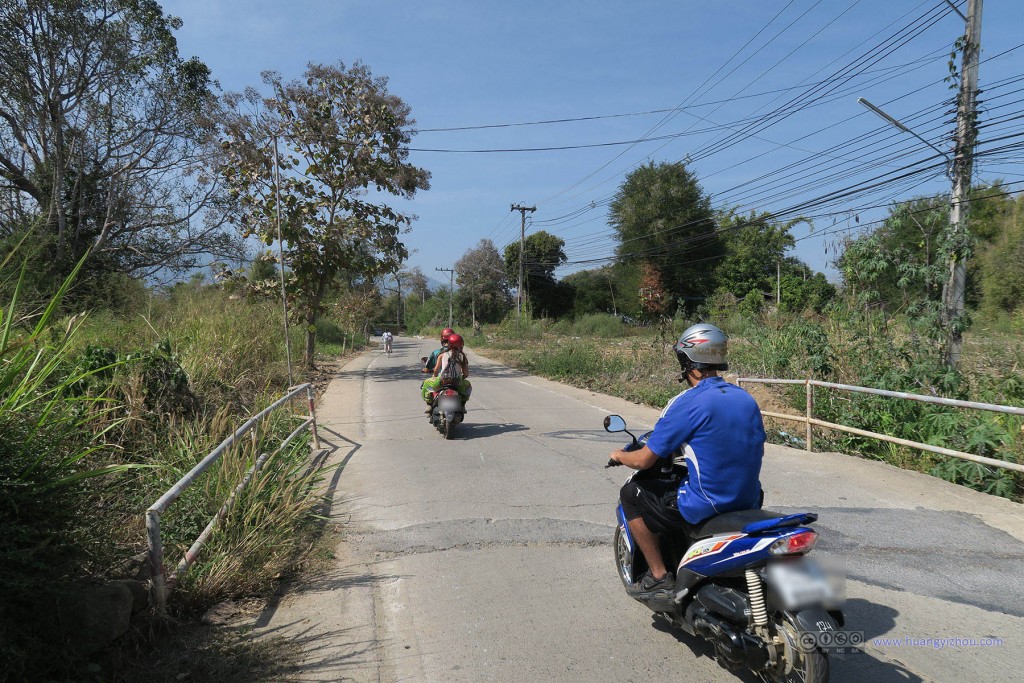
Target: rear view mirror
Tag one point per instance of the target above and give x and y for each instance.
(614, 423)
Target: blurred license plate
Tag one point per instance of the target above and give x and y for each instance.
(450, 404)
(802, 583)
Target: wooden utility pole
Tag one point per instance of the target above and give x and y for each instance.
(451, 290)
(522, 246)
(966, 134)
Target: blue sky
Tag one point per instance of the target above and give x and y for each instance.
(461, 63)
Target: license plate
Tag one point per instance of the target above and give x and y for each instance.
(803, 583)
(450, 404)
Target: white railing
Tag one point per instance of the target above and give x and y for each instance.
(810, 421)
(161, 584)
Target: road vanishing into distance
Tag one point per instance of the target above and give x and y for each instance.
(489, 557)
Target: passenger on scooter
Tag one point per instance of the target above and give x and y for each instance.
(718, 427)
(451, 365)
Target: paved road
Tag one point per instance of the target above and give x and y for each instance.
(488, 558)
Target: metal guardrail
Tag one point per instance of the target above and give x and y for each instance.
(160, 584)
(810, 421)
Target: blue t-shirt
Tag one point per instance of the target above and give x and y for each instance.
(718, 425)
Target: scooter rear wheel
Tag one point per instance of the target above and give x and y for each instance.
(800, 664)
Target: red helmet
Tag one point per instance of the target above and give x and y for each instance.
(445, 333)
(455, 341)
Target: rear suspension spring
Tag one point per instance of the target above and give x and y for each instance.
(756, 590)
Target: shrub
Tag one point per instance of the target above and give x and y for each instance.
(599, 325)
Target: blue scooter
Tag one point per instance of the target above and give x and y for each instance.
(743, 583)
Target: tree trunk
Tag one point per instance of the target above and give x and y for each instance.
(312, 313)
(310, 340)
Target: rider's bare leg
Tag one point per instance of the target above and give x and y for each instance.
(648, 543)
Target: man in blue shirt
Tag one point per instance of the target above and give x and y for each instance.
(719, 430)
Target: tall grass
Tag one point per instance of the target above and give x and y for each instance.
(848, 346)
(269, 529)
(100, 414)
(54, 443)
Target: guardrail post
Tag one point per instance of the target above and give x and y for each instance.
(809, 438)
(312, 414)
(157, 584)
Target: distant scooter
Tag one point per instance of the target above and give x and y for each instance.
(743, 584)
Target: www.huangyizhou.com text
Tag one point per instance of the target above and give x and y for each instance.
(938, 643)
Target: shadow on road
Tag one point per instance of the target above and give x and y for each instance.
(330, 442)
(869, 618)
(475, 430)
(861, 615)
(332, 653)
(409, 365)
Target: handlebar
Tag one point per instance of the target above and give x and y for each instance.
(633, 446)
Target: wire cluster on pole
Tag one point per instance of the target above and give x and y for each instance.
(451, 289)
(522, 246)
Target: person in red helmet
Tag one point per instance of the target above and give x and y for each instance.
(428, 366)
(452, 365)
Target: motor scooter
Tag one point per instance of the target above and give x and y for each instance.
(743, 583)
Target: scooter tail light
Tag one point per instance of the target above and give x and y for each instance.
(797, 544)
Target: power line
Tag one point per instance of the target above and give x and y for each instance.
(827, 80)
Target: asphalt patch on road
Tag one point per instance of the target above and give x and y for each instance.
(953, 556)
(431, 537)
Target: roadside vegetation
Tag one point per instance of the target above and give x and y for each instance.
(139, 328)
(611, 328)
(600, 353)
(101, 413)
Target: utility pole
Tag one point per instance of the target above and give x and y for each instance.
(778, 285)
(398, 313)
(451, 289)
(611, 291)
(953, 292)
(522, 246)
(280, 251)
(472, 280)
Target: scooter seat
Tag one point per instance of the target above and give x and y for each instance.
(733, 522)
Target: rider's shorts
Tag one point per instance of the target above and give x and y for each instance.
(655, 501)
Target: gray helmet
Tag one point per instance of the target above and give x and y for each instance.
(703, 347)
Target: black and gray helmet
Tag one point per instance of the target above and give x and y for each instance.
(703, 347)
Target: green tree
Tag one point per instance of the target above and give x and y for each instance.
(900, 260)
(105, 137)
(1001, 260)
(754, 246)
(483, 283)
(600, 290)
(542, 254)
(664, 218)
(755, 261)
(341, 132)
(417, 284)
